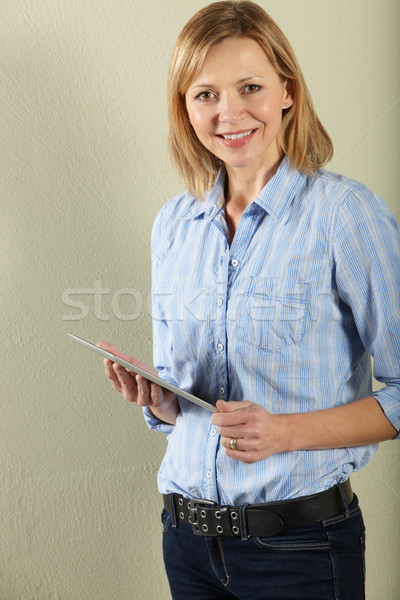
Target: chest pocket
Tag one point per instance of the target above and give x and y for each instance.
(272, 313)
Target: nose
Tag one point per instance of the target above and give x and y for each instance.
(231, 108)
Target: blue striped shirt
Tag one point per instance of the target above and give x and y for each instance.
(286, 317)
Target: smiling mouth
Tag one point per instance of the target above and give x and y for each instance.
(236, 136)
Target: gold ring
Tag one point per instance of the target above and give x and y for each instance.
(232, 444)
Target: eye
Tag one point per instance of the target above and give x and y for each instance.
(252, 88)
(204, 96)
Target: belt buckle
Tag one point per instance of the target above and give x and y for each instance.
(194, 505)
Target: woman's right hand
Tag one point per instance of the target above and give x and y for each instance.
(135, 388)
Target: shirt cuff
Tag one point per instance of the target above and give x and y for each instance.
(155, 423)
(389, 399)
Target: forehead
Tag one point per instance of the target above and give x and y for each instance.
(243, 55)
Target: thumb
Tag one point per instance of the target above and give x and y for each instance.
(230, 406)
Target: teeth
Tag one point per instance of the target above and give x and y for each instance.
(237, 136)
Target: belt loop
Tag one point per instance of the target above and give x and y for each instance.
(344, 500)
(243, 522)
(173, 510)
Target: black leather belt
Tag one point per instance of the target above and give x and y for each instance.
(259, 520)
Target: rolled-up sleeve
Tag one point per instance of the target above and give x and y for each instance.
(366, 252)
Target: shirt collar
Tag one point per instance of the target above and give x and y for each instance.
(277, 195)
(274, 198)
(213, 203)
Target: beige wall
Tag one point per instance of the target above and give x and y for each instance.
(84, 170)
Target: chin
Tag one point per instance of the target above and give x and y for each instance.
(239, 164)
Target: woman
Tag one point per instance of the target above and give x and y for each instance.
(273, 283)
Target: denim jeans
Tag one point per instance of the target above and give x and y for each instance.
(322, 561)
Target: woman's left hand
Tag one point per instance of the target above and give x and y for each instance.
(258, 434)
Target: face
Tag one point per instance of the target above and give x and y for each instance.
(235, 105)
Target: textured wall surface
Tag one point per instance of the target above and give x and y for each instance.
(84, 170)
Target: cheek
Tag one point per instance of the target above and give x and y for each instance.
(268, 109)
(199, 124)
(270, 112)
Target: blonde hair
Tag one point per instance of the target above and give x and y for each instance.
(302, 137)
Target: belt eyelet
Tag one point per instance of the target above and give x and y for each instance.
(217, 514)
(205, 528)
(235, 529)
(220, 529)
(234, 516)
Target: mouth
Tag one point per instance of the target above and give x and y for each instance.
(237, 139)
(236, 136)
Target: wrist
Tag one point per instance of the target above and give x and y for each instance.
(167, 411)
(286, 439)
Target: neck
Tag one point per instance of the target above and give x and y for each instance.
(242, 187)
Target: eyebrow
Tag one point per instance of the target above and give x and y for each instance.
(238, 82)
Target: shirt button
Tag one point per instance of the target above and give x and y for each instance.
(220, 302)
(209, 474)
(222, 390)
(214, 431)
(234, 262)
(220, 347)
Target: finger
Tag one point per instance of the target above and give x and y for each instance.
(143, 387)
(242, 451)
(243, 444)
(233, 444)
(107, 347)
(230, 418)
(111, 374)
(220, 404)
(156, 393)
(235, 431)
(127, 382)
(242, 456)
(109, 368)
(230, 406)
(114, 350)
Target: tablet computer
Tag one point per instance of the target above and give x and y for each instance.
(149, 375)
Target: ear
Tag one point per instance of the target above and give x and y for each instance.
(287, 95)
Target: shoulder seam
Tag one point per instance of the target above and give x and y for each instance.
(346, 193)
